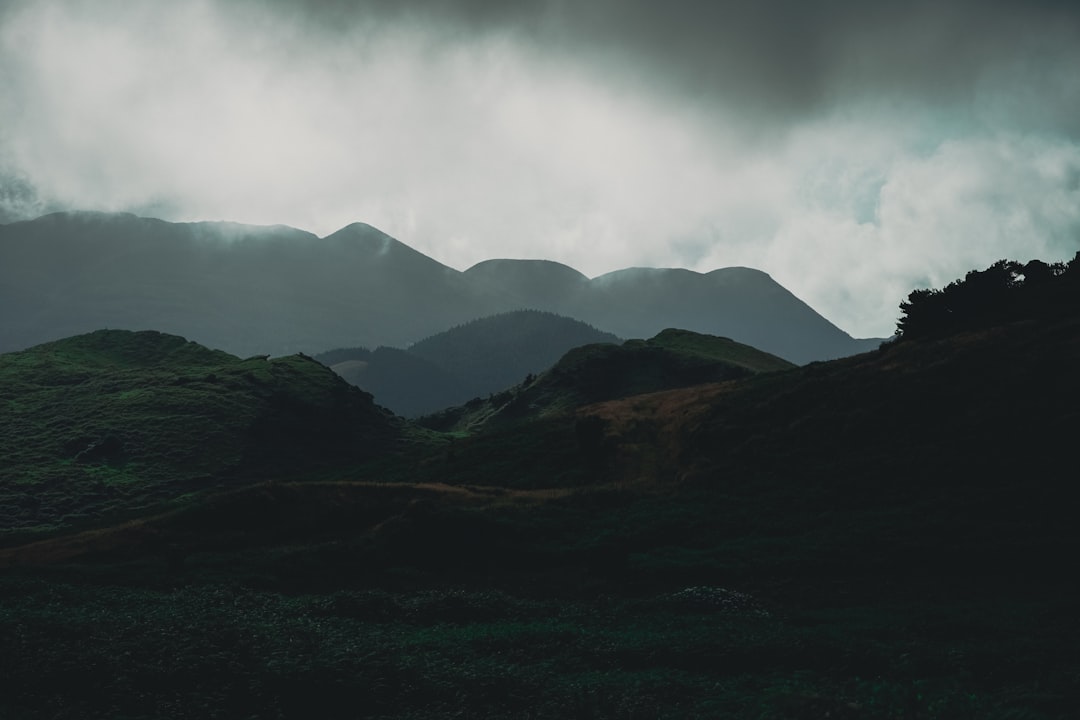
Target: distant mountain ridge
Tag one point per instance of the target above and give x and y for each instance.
(500, 350)
(473, 359)
(253, 289)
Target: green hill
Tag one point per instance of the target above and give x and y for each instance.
(721, 349)
(113, 420)
(597, 372)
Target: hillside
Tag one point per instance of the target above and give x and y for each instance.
(741, 303)
(398, 380)
(744, 304)
(592, 373)
(115, 420)
(496, 352)
(475, 359)
(532, 283)
(251, 289)
(245, 289)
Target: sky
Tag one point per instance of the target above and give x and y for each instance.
(853, 150)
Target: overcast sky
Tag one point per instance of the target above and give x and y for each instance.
(853, 150)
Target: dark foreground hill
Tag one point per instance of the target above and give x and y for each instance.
(248, 289)
(106, 422)
(885, 536)
(471, 360)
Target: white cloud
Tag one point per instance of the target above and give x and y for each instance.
(936, 215)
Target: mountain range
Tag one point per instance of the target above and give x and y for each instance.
(274, 289)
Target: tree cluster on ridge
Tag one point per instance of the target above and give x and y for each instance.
(1006, 291)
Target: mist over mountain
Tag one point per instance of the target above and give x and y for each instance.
(257, 289)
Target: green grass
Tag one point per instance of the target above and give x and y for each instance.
(105, 422)
(230, 651)
(290, 599)
(717, 348)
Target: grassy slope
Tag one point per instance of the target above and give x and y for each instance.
(114, 420)
(597, 372)
(887, 536)
(717, 348)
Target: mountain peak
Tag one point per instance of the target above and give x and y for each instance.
(382, 246)
(359, 231)
(547, 268)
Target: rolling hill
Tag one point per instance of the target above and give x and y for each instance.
(605, 371)
(471, 360)
(103, 423)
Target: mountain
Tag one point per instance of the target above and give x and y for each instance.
(495, 352)
(405, 383)
(598, 372)
(744, 304)
(105, 422)
(736, 302)
(476, 358)
(250, 289)
(245, 289)
(532, 283)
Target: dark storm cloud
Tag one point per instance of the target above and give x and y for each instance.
(786, 56)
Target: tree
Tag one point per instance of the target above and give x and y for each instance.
(1004, 292)
(921, 314)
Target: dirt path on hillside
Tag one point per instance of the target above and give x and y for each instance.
(144, 531)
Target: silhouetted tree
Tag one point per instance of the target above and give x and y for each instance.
(1003, 292)
(921, 314)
